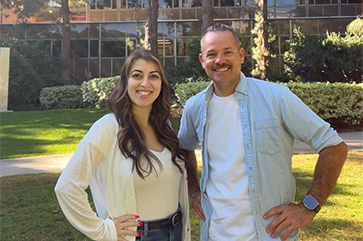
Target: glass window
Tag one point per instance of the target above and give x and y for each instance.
(79, 30)
(195, 3)
(220, 12)
(94, 30)
(81, 70)
(166, 3)
(298, 11)
(189, 29)
(131, 4)
(80, 48)
(169, 62)
(117, 66)
(104, 4)
(106, 68)
(238, 3)
(284, 27)
(227, 3)
(112, 30)
(348, 10)
(330, 10)
(166, 29)
(57, 47)
(93, 48)
(38, 31)
(306, 26)
(113, 48)
(93, 71)
(316, 11)
(322, 1)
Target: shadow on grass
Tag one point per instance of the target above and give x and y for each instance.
(30, 211)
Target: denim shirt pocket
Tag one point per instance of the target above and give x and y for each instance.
(268, 133)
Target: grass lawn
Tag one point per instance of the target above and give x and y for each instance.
(35, 133)
(29, 209)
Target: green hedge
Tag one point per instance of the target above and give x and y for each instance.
(338, 103)
(62, 97)
(96, 91)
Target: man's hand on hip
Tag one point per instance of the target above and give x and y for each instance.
(292, 217)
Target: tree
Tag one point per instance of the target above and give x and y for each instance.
(261, 50)
(207, 14)
(151, 26)
(66, 42)
(24, 9)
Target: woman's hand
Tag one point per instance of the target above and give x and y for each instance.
(123, 223)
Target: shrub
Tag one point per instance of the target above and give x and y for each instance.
(62, 97)
(337, 103)
(96, 91)
(186, 90)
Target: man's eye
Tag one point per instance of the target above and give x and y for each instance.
(210, 55)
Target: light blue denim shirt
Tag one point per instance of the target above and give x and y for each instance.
(272, 117)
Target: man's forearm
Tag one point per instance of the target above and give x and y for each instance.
(330, 162)
(192, 171)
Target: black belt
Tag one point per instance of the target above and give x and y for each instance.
(172, 220)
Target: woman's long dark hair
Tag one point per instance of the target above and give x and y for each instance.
(131, 140)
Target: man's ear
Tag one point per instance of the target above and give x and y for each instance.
(201, 60)
(242, 55)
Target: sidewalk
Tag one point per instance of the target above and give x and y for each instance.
(56, 163)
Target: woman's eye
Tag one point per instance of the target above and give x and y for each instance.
(136, 76)
(154, 76)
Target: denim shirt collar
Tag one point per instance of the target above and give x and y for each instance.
(240, 88)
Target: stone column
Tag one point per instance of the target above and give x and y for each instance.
(4, 78)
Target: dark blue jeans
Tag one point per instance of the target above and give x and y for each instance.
(172, 233)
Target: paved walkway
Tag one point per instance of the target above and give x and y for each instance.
(56, 163)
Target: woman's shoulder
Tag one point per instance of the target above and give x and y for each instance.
(106, 123)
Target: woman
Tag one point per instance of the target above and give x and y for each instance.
(132, 161)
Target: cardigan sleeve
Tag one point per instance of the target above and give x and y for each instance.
(70, 188)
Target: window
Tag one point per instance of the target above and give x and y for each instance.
(103, 4)
(80, 48)
(113, 48)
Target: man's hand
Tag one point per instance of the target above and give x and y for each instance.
(195, 199)
(293, 217)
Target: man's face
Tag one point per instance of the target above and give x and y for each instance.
(222, 58)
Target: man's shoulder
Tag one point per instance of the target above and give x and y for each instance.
(258, 84)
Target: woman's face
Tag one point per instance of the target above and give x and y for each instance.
(144, 83)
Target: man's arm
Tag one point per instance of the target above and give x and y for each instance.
(294, 216)
(193, 184)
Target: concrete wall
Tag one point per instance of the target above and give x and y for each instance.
(4, 78)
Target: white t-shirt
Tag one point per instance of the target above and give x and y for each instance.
(227, 184)
(158, 195)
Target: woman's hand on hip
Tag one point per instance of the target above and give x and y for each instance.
(123, 224)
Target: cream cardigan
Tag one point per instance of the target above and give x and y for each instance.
(98, 162)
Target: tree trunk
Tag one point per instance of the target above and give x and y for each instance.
(265, 58)
(207, 14)
(66, 42)
(151, 26)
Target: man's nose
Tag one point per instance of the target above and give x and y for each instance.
(219, 59)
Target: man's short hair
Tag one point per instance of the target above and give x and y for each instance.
(218, 27)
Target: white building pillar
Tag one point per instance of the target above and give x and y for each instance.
(4, 78)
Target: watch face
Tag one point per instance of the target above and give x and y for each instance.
(310, 202)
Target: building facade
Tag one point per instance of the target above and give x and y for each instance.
(103, 32)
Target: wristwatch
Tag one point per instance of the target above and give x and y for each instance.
(311, 203)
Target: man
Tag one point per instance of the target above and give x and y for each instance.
(247, 128)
